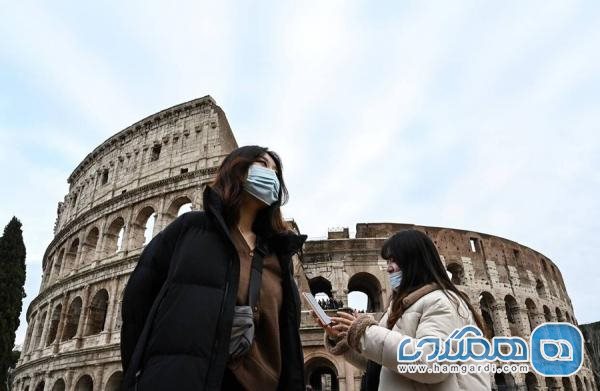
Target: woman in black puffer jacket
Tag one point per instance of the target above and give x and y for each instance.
(178, 304)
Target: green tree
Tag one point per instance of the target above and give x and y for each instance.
(12, 292)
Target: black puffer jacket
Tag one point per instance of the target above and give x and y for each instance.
(176, 330)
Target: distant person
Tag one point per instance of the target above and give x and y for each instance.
(187, 318)
(424, 303)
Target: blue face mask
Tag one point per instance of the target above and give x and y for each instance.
(263, 184)
(395, 279)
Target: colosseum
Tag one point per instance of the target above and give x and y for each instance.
(139, 180)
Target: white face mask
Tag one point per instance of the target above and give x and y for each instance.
(395, 279)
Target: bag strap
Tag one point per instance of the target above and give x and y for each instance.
(256, 274)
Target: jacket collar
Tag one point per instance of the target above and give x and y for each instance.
(283, 243)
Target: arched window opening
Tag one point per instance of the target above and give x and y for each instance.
(371, 287)
(512, 314)
(321, 289)
(486, 304)
(40, 330)
(578, 383)
(539, 287)
(97, 313)
(57, 265)
(54, 321)
(84, 383)
(178, 207)
(71, 257)
(531, 314)
(321, 374)
(114, 382)
(88, 249)
(504, 382)
(184, 209)
(531, 382)
(358, 300)
(547, 314)
(59, 385)
(143, 227)
(456, 273)
(566, 382)
(72, 321)
(559, 315)
(113, 237)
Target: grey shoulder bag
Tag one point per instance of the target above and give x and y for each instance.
(242, 329)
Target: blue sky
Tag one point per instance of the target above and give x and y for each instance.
(466, 114)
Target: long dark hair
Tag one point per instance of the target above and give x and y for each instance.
(418, 258)
(229, 184)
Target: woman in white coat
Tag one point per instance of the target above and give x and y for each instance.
(424, 303)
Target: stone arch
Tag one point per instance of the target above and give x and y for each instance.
(97, 313)
(321, 374)
(540, 288)
(551, 383)
(119, 320)
(320, 284)
(40, 386)
(547, 314)
(505, 382)
(531, 382)
(88, 248)
(457, 273)
(85, 383)
(578, 383)
(512, 314)
(114, 382)
(559, 315)
(113, 237)
(566, 382)
(29, 335)
(139, 229)
(487, 302)
(368, 284)
(72, 320)
(531, 313)
(59, 385)
(39, 330)
(179, 206)
(71, 256)
(54, 321)
(56, 269)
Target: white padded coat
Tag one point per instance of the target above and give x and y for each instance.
(433, 315)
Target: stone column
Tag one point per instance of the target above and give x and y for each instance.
(61, 322)
(522, 319)
(46, 327)
(31, 343)
(127, 232)
(500, 320)
(83, 316)
(112, 301)
(161, 216)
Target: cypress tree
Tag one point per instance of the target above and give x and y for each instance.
(12, 292)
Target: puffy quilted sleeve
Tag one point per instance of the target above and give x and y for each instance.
(144, 284)
(380, 344)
